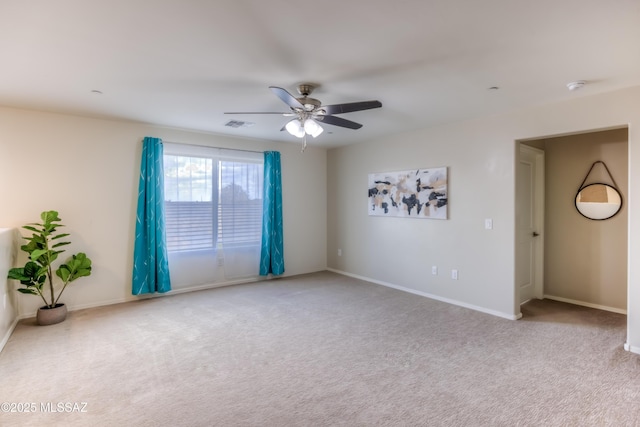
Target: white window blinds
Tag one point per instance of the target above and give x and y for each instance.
(213, 197)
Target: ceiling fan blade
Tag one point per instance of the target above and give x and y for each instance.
(339, 121)
(288, 99)
(353, 106)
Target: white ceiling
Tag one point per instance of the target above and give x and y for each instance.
(182, 63)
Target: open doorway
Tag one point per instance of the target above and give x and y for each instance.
(585, 261)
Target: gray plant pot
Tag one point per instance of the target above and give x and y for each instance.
(51, 316)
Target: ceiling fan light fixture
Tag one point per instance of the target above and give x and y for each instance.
(312, 127)
(294, 127)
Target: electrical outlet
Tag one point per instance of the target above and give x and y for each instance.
(434, 270)
(454, 274)
(339, 252)
(488, 224)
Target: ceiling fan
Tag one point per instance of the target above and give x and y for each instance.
(308, 112)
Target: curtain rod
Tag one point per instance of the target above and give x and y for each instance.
(208, 146)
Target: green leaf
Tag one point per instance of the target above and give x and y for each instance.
(29, 248)
(27, 291)
(30, 275)
(82, 258)
(57, 245)
(31, 269)
(36, 239)
(37, 253)
(54, 256)
(77, 266)
(83, 273)
(49, 216)
(17, 274)
(50, 219)
(58, 236)
(41, 272)
(35, 242)
(63, 273)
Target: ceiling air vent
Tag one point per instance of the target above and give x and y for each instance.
(238, 124)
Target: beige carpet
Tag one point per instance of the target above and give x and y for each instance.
(321, 350)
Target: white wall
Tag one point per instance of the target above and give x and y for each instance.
(8, 298)
(480, 155)
(87, 169)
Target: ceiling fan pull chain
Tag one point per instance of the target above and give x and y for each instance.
(304, 143)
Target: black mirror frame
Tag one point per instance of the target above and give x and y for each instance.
(575, 200)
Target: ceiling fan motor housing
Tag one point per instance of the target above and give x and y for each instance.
(305, 89)
(310, 104)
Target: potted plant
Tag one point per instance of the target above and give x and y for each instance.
(37, 275)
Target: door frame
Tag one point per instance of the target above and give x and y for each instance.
(538, 214)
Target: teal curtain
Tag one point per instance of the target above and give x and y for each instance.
(272, 255)
(150, 262)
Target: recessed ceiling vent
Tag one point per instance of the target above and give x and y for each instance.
(238, 124)
(576, 85)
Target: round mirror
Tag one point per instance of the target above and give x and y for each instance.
(598, 201)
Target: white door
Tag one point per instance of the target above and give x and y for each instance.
(529, 223)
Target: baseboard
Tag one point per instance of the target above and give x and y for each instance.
(202, 287)
(6, 337)
(32, 314)
(631, 348)
(586, 304)
(431, 296)
(149, 296)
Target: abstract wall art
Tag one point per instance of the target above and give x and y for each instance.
(420, 193)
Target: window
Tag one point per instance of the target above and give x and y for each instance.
(240, 203)
(189, 202)
(213, 198)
